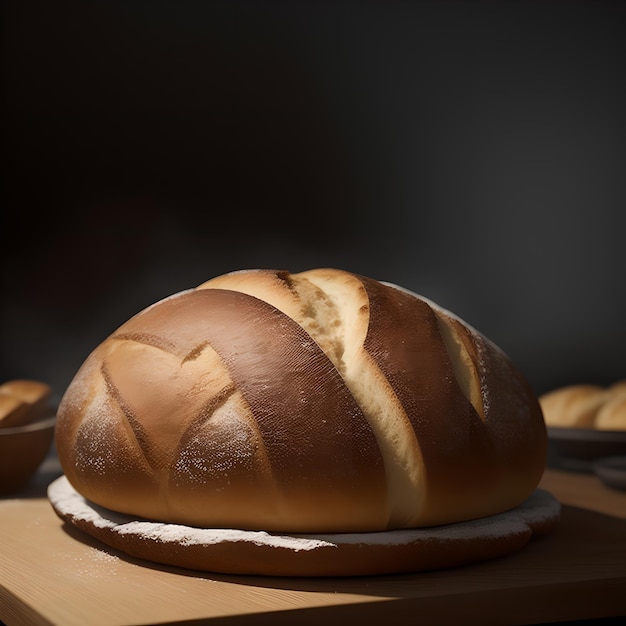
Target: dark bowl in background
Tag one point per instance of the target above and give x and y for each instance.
(577, 449)
(611, 470)
(22, 451)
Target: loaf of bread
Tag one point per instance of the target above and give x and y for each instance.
(586, 406)
(23, 402)
(322, 401)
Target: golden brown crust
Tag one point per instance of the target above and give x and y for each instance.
(315, 402)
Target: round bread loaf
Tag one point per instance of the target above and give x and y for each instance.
(322, 401)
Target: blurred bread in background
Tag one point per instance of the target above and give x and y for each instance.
(586, 406)
(23, 402)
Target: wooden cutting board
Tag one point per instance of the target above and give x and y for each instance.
(51, 574)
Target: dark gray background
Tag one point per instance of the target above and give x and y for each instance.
(474, 152)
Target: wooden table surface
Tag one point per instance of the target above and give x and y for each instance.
(51, 574)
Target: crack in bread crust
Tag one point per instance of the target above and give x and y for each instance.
(135, 427)
(374, 394)
(147, 339)
(463, 357)
(333, 308)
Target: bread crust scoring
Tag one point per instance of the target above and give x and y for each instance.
(322, 401)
